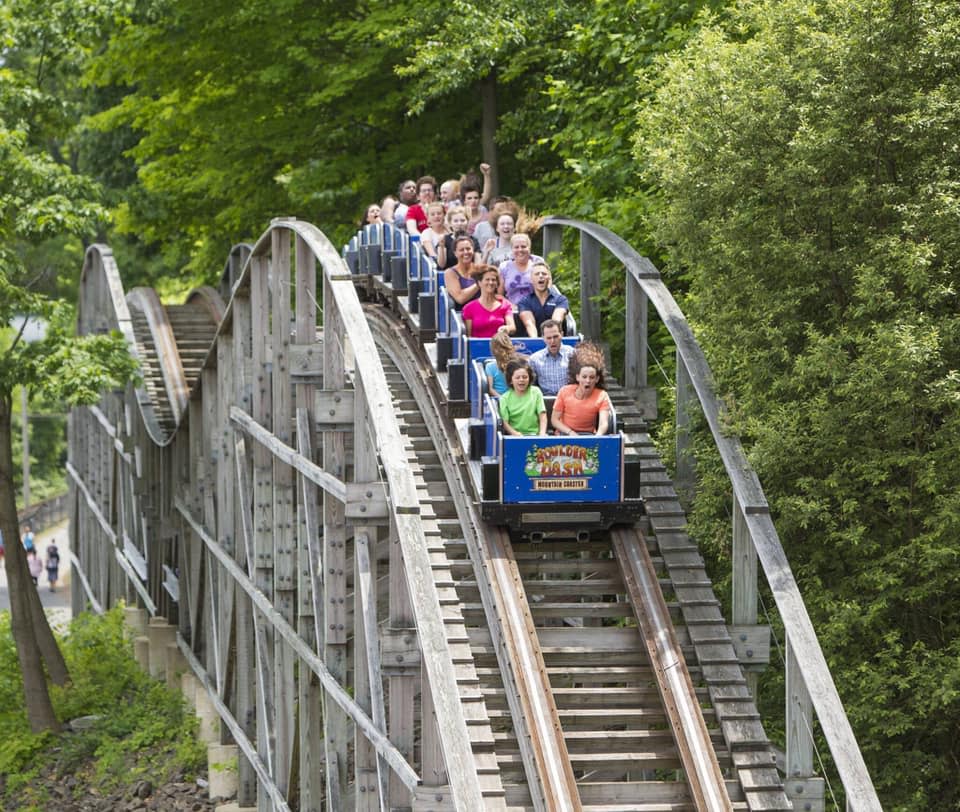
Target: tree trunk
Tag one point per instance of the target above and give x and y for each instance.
(20, 586)
(488, 128)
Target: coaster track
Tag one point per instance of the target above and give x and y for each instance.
(299, 504)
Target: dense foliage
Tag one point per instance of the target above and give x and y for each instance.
(142, 731)
(808, 156)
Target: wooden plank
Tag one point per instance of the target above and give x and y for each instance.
(752, 644)
(306, 363)
(247, 621)
(283, 539)
(330, 483)
(335, 728)
(368, 670)
(264, 681)
(401, 682)
(799, 722)
(333, 407)
(261, 556)
(334, 691)
(589, 286)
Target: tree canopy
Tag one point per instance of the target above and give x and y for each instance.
(41, 198)
(808, 159)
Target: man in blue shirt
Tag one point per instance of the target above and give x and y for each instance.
(552, 361)
(544, 303)
(28, 538)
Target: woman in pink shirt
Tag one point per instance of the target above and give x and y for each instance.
(486, 315)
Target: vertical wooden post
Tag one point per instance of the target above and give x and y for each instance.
(262, 412)
(225, 493)
(246, 662)
(402, 684)
(589, 286)
(371, 774)
(335, 725)
(208, 476)
(309, 588)
(552, 241)
(284, 552)
(433, 770)
(799, 721)
(193, 557)
(744, 599)
(635, 337)
(685, 481)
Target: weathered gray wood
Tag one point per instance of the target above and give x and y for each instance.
(746, 487)
(284, 546)
(635, 337)
(367, 670)
(402, 682)
(552, 241)
(589, 286)
(369, 689)
(336, 732)
(264, 682)
(334, 691)
(752, 644)
(247, 621)
(224, 494)
(685, 479)
(111, 537)
(319, 476)
(799, 720)
(306, 366)
(262, 415)
(744, 583)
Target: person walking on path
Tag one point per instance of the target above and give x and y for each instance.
(53, 565)
(28, 538)
(35, 565)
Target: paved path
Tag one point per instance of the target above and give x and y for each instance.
(56, 603)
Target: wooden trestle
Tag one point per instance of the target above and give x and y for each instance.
(290, 498)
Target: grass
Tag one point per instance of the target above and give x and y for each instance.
(142, 733)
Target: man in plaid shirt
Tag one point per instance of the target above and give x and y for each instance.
(552, 361)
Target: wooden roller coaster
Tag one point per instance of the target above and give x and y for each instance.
(288, 487)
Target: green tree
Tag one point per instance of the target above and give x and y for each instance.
(246, 111)
(39, 198)
(808, 157)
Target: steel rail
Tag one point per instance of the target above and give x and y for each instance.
(689, 728)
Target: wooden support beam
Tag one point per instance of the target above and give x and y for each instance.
(111, 536)
(333, 485)
(247, 621)
(367, 653)
(589, 286)
(334, 691)
(306, 370)
(335, 727)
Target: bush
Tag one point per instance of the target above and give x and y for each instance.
(143, 731)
